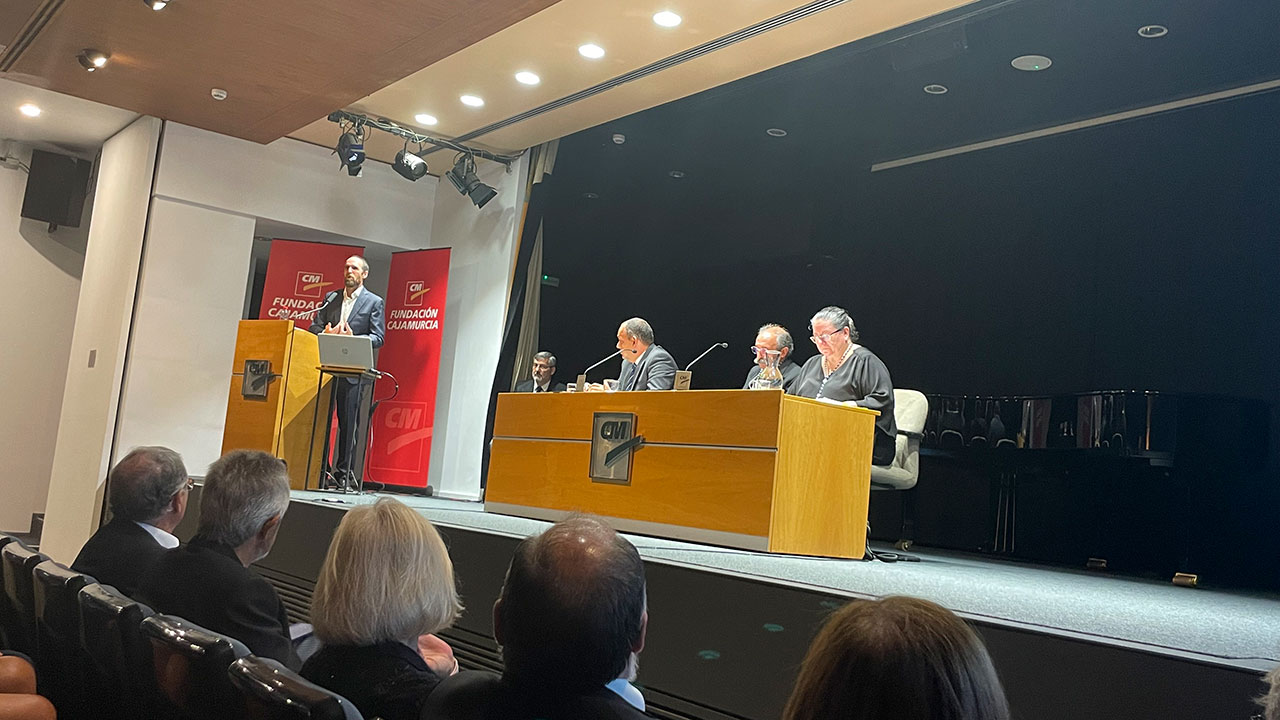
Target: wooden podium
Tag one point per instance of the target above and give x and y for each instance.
(754, 469)
(277, 413)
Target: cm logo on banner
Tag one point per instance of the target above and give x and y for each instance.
(310, 284)
(413, 292)
(399, 438)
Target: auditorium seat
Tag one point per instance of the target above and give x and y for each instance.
(273, 692)
(5, 613)
(20, 620)
(190, 669)
(120, 668)
(61, 663)
(910, 410)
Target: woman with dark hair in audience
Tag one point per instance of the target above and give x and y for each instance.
(385, 587)
(899, 658)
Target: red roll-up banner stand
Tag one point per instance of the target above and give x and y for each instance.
(299, 274)
(417, 285)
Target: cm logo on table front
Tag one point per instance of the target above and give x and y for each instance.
(613, 439)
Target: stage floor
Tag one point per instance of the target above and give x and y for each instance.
(1234, 629)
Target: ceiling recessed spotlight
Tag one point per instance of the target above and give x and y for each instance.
(1031, 63)
(525, 77)
(935, 89)
(471, 101)
(677, 174)
(92, 59)
(218, 94)
(776, 132)
(590, 196)
(425, 119)
(591, 50)
(666, 18)
(1153, 31)
(156, 5)
(29, 110)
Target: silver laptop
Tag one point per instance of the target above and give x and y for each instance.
(349, 352)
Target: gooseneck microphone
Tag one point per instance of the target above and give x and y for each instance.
(704, 353)
(582, 378)
(333, 294)
(684, 377)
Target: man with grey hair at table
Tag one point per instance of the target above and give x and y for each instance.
(645, 365)
(773, 338)
(208, 580)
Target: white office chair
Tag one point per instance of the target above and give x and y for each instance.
(910, 409)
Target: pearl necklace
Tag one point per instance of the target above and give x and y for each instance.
(827, 373)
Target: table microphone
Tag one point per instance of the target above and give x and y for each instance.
(582, 379)
(683, 377)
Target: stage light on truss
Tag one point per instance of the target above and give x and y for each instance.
(350, 152)
(410, 166)
(464, 178)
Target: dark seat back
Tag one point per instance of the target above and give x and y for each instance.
(190, 664)
(18, 561)
(120, 658)
(273, 692)
(61, 663)
(5, 612)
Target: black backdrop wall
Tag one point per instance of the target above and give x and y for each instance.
(1137, 255)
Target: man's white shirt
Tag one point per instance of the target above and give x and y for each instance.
(349, 301)
(165, 539)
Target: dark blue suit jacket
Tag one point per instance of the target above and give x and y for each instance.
(366, 319)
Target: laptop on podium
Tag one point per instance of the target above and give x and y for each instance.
(346, 352)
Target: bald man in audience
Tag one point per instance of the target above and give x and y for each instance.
(147, 493)
(571, 620)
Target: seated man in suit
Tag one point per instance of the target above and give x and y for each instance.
(360, 313)
(147, 493)
(773, 338)
(544, 368)
(208, 580)
(571, 621)
(645, 366)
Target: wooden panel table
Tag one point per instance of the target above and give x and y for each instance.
(755, 469)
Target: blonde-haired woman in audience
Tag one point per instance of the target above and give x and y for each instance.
(1271, 701)
(899, 658)
(385, 588)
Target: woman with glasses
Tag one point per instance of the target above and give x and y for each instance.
(845, 372)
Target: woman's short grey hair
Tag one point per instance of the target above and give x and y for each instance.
(143, 483)
(838, 317)
(639, 329)
(242, 491)
(387, 577)
(546, 357)
(783, 335)
(1271, 701)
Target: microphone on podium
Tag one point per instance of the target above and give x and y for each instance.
(683, 377)
(582, 379)
(323, 304)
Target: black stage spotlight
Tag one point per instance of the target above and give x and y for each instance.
(409, 165)
(351, 152)
(463, 176)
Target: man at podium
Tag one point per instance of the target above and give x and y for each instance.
(359, 313)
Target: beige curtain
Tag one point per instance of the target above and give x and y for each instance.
(540, 164)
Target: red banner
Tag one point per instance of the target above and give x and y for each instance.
(299, 274)
(417, 286)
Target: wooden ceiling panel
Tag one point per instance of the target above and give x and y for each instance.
(283, 63)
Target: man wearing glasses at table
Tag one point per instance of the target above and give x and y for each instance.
(846, 373)
(771, 339)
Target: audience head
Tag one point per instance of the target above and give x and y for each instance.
(386, 577)
(149, 485)
(544, 366)
(572, 615)
(1271, 701)
(244, 498)
(899, 658)
(634, 337)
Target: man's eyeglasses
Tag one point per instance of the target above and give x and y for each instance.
(757, 351)
(826, 337)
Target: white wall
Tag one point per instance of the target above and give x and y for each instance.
(104, 312)
(43, 269)
(481, 262)
(293, 182)
(184, 331)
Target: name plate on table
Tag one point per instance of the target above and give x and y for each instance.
(613, 441)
